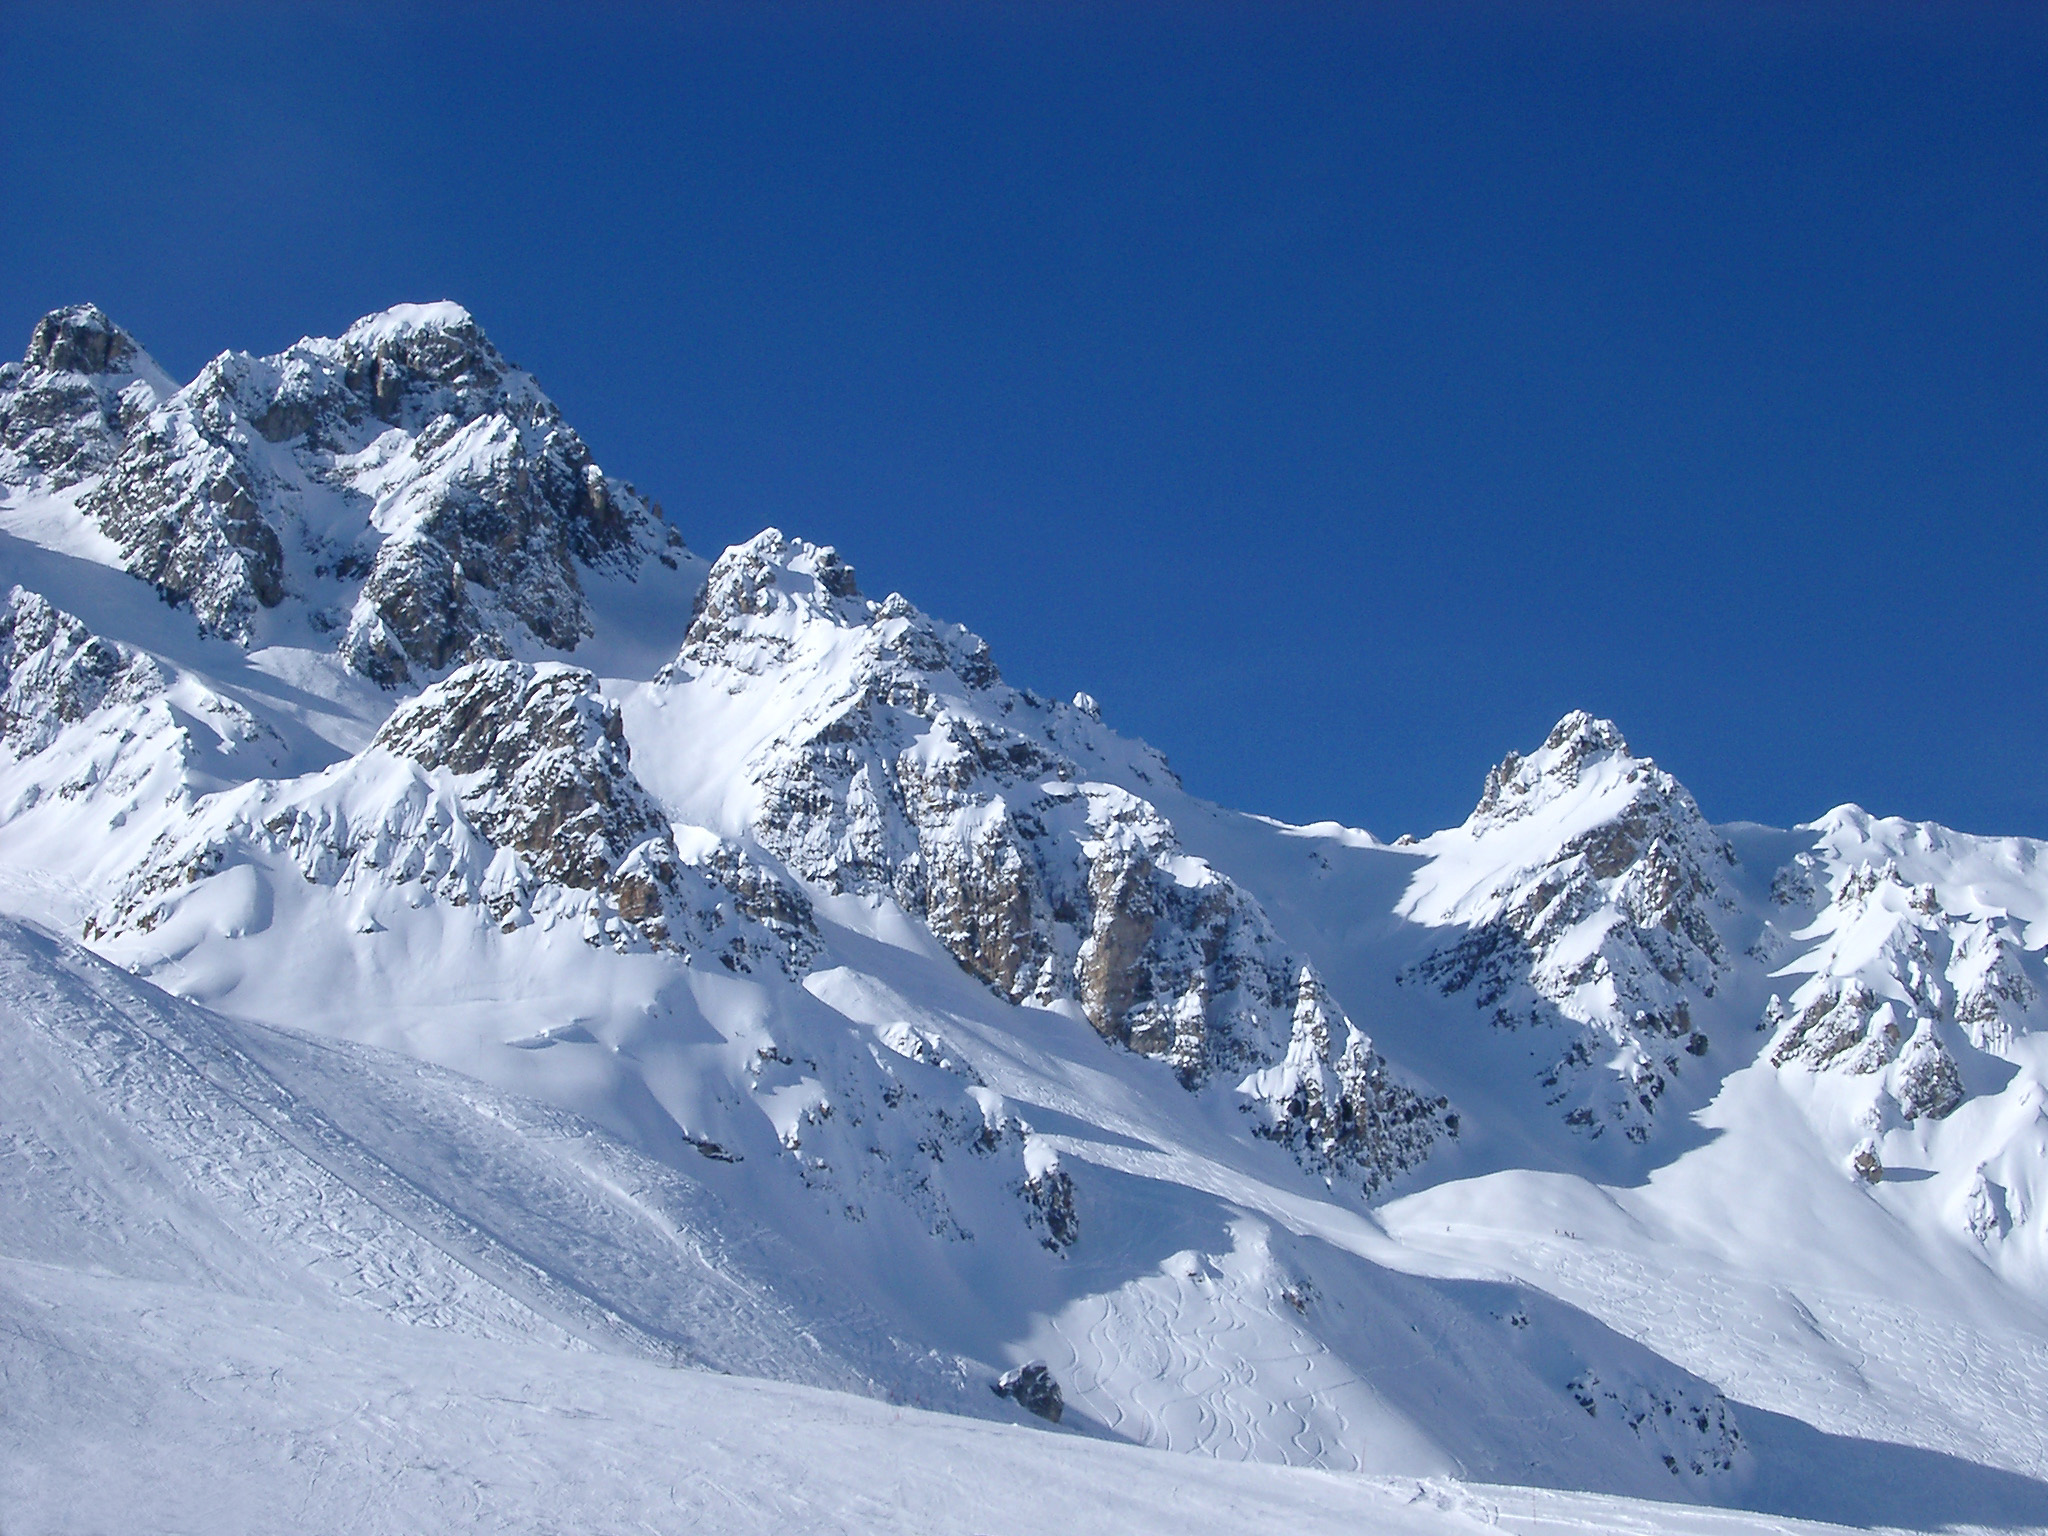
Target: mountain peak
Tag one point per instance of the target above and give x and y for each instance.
(1580, 734)
(417, 495)
(773, 598)
(66, 407)
(408, 319)
(433, 358)
(80, 338)
(1587, 882)
(423, 334)
(771, 571)
(1519, 784)
(932, 1005)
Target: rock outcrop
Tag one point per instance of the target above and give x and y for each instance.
(88, 719)
(1335, 1102)
(413, 489)
(56, 672)
(1586, 886)
(1033, 1389)
(909, 771)
(1927, 1082)
(1694, 1434)
(543, 763)
(507, 787)
(906, 781)
(1902, 972)
(1844, 1027)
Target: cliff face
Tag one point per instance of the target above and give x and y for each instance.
(899, 765)
(403, 486)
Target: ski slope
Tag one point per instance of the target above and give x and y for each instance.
(136, 1405)
(362, 1289)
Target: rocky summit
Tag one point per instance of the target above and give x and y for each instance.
(409, 488)
(440, 906)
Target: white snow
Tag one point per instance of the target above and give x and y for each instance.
(404, 319)
(318, 1171)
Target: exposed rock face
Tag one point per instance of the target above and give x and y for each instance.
(1895, 965)
(1050, 1196)
(1692, 1434)
(1844, 1027)
(57, 672)
(544, 765)
(184, 509)
(416, 610)
(544, 770)
(912, 772)
(80, 340)
(516, 795)
(1927, 1082)
(1048, 1192)
(1912, 966)
(1586, 884)
(1645, 871)
(417, 491)
(1336, 1103)
(1032, 1388)
(1045, 886)
(90, 719)
(67, 406)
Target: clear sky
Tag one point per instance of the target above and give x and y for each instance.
(1338, 393)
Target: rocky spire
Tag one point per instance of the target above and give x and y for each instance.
(66, 408)
(80, 339)
(1587, 886)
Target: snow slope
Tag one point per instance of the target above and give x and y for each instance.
(670, 967)
(332, 1269)
(118, 1428)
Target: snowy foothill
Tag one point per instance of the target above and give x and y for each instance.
(504, 1010)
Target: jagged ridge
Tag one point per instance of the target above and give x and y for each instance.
(912, 772)
(413, 489)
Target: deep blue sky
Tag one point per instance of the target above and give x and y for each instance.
(1338, 394)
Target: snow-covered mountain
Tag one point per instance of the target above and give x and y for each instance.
(437, 898)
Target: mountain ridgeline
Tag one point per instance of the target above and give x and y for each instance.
(1070, 1077)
